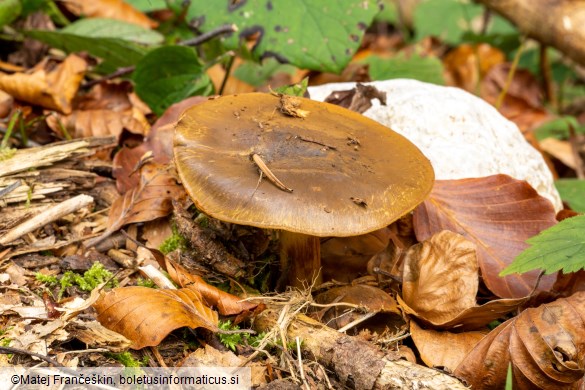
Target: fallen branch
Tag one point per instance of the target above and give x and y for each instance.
(54, 213)
(560, 24)
(357, 363)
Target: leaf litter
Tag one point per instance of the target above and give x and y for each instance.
(444, 291)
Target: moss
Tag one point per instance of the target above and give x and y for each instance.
(91, 278)
(174, 242)
(126, 359)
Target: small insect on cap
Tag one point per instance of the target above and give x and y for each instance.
(295, 164)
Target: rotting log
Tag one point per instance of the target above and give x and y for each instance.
(357, 363)
(556, 23)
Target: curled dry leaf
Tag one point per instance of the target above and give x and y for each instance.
(466, 65)
(112, 9)
(498, 214)
(146, 316)
(545, 345)
(226, 303)
(150, 200)
(52, 88)
(441, 348)
(373, 299)
(105, 110)
(440, 282)
(159, 140)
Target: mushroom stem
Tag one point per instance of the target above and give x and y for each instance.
(300, 259)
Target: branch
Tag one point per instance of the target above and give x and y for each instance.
(560, 24)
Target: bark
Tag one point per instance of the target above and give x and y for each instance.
(357, 363)
(557, 23)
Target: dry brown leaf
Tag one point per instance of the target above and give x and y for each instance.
(150, 200)
(440, 283)
(159, 141)
(346, 258)
(467, 64)
(498, 214)
(226, 303)
(6, 102)
(546, 346)
(441, 348)
(105, 110)
(113, 9)
(146, 316)
(523, 101)
(52, 88)
(373, 299)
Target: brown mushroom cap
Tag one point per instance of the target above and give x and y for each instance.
(349, 174)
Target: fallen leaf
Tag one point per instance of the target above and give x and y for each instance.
(498, 214)
(545, 345)
(105, 110)
(113, 9)
(373, 299)
(150, 200)
(441, 348)
(440, 283)
(146, 316)
(226, 303)
(52, 88)
(522, 103)
(159, 140)
(467, 64)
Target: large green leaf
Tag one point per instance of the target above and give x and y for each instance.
(9, 10)
(573, 192)
(428, 69)
(450, 19)
(148, 5)
(311, 34)
(559, 247)
(168, 75)
(117, 43)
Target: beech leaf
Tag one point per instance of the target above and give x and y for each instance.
(498, 213)
(146, 316)
(561, 247)
(150, 200)
(440, 283)
(546, 346)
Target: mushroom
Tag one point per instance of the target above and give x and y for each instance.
(306, 168)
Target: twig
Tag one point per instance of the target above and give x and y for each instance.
(511, 74)
(355, 322)
(315, 142)
(118, 73)
(262, 166)
(198, 40)
(547, 78)
(580, 171)
(6, 350)
(5, 191)
(66, 207)
(228, 70)
(300, 358)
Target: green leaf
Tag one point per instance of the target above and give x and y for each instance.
(559, 128)
(257, 74)
(446, 19)
(169, 75)
(298, 89)
(311, 34)
(100, 37)
(148, 5)
(573, 192)
(559, 247)
(112, 28)
(9, 11)
(429, 69)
